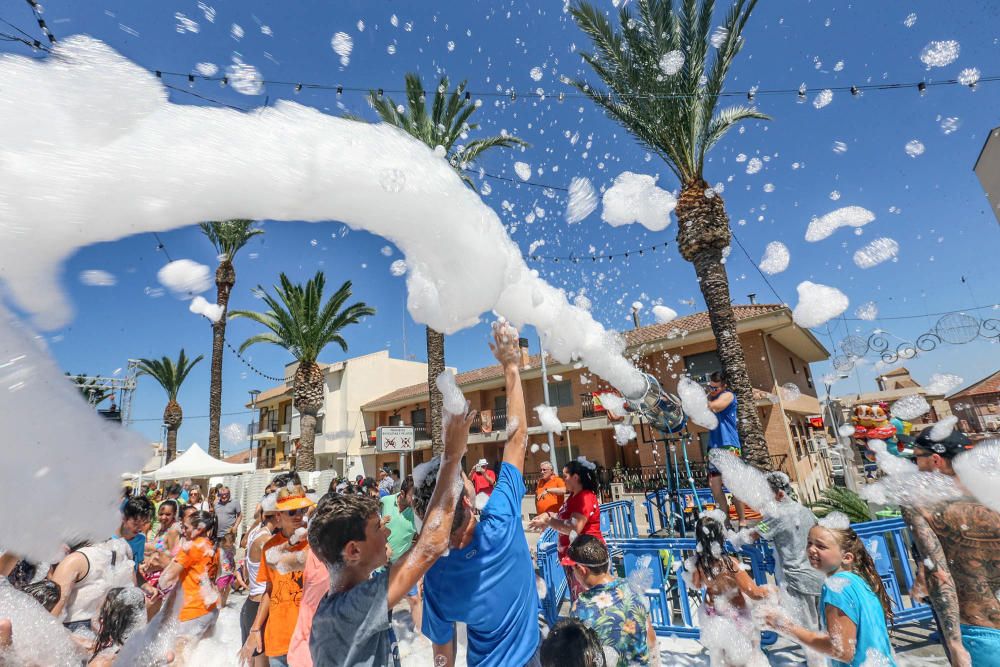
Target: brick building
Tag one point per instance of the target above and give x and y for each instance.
(978, 407)
(778, 355)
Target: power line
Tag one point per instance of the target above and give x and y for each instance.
(186, 417)
(992, 306)
(754, 264)
(203, 97)
(598, 257)
(36, 9)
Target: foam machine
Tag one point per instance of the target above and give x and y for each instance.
(663, 413)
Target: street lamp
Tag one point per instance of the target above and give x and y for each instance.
(254, 393)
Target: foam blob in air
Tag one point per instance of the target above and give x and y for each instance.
(184, 277)
(549, 417)
(635, 198)
(848, 216)
(877, 251)
(663, 314)
(454, 400)
(776, 258)
(818, 304)
(695, 403)
(582, 200)
(201, 306)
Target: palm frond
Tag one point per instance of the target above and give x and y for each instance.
(673, 115)
(169, 374)
(228, 237)
(298, 319)
(840, 499)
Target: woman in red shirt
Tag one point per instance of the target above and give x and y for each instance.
(580, 514)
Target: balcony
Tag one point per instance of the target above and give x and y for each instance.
(369, 438)
(498, 422)
(263, 429)
(587, 406)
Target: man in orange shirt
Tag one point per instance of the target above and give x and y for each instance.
(282, 567)
(549, 491)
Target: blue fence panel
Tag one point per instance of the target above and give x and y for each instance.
(618, 520)
(887, 542)
(552, 573)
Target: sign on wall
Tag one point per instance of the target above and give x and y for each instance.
(394, 439)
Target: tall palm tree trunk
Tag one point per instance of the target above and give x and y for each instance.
(172, 417)
(307, 390)
(435, 366)
(225, 278)
(171, 444)
(702, 234)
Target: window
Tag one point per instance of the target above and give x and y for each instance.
(561, 393)
(418, 417)
(500, 403)
(319, 425)
(700, 366)
(809, 377)
(791, 360)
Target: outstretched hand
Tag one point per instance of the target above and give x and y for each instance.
(505, 344)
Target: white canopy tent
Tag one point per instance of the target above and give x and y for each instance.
(195, 462)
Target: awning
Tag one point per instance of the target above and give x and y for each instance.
(195, 463)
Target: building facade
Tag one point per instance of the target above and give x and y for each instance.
(778, 355)
(348, 385)
(978, 407)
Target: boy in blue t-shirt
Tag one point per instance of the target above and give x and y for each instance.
(487, 580)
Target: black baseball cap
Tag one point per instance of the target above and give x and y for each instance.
(951, 446)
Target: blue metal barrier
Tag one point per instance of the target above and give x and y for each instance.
(659, 513)
(887, 541)
(618, 520)
(552, 573)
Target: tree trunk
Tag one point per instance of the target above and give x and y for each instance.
(307, 393)
(702, 234)
(225, 278)
(435, 366)
(172, 417)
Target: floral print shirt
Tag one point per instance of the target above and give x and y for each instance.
(619, 617)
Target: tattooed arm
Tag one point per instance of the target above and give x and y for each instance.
(940, 584)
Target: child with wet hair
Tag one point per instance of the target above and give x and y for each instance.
(725, 616)
(855, 610)
(351, 625)
(572, 644)
(123, 611)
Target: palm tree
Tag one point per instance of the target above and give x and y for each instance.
(228, 237)
(171, 376)
(446, 125)
(299, 321)
(840, 499)
(672, 109)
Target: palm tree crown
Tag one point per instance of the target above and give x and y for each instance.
(673, 114)
(169, 374)
(444, 126)
(298, 319)
(229, 236)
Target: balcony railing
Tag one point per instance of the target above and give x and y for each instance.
(266, 426)
(587, 406)
(498, 421)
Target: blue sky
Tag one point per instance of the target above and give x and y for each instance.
(931, 204)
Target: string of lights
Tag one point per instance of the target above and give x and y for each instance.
(512, 94)
(252, 367)
(598, 257)
(36, 9)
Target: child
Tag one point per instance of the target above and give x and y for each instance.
(855, 610)
(352, 623)
(725, 616)
(123, 611)
(572, 644)
(227, 567)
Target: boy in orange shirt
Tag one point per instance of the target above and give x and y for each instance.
(282, 565)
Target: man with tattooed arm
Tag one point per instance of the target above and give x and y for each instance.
(958, 540)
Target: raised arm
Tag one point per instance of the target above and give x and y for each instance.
(940, 584)
(506, 350)
(721, 402)
(68, 573)
(435, 535)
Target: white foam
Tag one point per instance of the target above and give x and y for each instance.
(818, 304)
(848, 216)
(940, 53)
(672, 62)
(943, 383)
(943, 428)
(624, 433)
(695, 403)
(663, 314)
(776, 258)
(910, 407)
(185, 277)
(549, 418)
(979, 471)
(582, 199)
(745, 482)
(635, 198)
(97, 278)
(454, 400)
(874, 253)
(342, 44)
(523, 170)
(201, 306)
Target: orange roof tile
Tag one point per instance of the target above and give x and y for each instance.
(988, 385)
(633, 338)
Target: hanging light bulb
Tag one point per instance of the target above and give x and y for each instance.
(750, 96)
(922, 87)
(340, 91)
(802, 93)
(468, 96)
(855, 91)
(562, 96)
(298, 88)
(159, 74)
(224, 81)
(513, 95)
(190, 80)
(380, 93)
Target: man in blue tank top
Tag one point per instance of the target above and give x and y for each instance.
(722, 402)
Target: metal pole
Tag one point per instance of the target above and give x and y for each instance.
(545, 391)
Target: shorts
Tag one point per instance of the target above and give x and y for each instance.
(247, 615)
(223, 582)
(197, 627)
(712, 470)
(983, 645)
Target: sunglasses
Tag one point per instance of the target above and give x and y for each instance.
(298, 512)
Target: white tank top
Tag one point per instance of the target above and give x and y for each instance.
(252, 567)
(111, 566)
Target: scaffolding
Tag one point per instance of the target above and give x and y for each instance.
(119, 388)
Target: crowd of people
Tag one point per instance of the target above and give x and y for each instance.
(322, 577)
